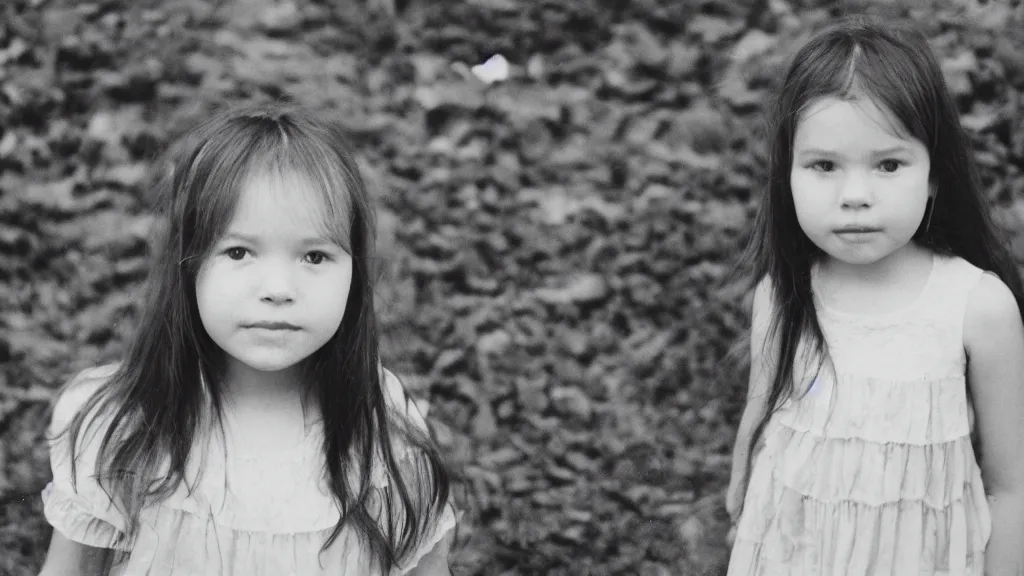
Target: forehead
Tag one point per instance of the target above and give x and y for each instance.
(856, 123)
(270, 200)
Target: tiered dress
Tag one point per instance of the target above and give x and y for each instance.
(251, 514)
(872, 471)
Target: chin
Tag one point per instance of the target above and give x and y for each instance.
(853, 258)
(267, 363)
(266, 367)
(859, 261)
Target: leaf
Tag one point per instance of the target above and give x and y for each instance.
(518, 481)
(484, 425)
(127, 175)
(110, 126)
(683, 59)
(428, 67)
(560, 473)
(754, 43)
(692, 532)
(497, 5)
(700, 127)
(649, 351)
(956, 70)
(643, 128)
(635, 44)
(57, 196)
(683, 154)
(580, 289)
(460, 95)
(531, 395)
(501, 457)
(448, 359)
(980, 120)
(204, 67)
(579, 462)
(572, 401)
(525, 103)
(17, 241)
(496, 342)
(8, 144)
(281, 16)
(712, 29)
(735, 90)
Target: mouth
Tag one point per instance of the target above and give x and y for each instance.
(271, 326)
(857, 230)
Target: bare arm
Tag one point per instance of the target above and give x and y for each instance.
(68, 558)
(994, 340)
(762, 363)
(435, 562)
(65, 556)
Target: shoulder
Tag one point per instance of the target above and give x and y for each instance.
(400, 402)
(957, 266)
(992, 312)
(76, 392)
(763, 294)
(761, 307)
(74, 502)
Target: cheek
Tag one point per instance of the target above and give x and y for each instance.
(344, 290)
(923, 185)
(332, 294)
(807, 197)
(912, 194)
(211, 293)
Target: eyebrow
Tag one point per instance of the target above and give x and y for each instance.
(308, 241)
(883, 152)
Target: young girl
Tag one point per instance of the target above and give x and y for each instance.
(250, 428)
(883, 301)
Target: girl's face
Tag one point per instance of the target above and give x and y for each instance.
(273, 289)
(859, 188)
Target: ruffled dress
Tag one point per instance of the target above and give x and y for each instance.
(871, 471)
(250, 514)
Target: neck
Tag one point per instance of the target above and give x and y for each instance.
(892, 268)
(245, 386)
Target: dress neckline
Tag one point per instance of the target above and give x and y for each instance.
(913, 305)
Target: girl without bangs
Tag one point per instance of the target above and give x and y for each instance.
(379, 465)
(898, 70)
(870, 83)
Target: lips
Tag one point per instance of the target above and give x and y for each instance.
(271, 325)
(856, 230)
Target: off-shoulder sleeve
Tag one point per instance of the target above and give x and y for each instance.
(81, 511)
(415, 415)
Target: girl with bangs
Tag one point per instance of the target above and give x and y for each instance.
(250, 428)
(886, 331)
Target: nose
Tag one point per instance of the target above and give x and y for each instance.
(276, 286)
(855, 191)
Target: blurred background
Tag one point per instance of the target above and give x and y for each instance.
(562, 186)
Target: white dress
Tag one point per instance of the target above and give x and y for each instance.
(872, 472)
(248, 516)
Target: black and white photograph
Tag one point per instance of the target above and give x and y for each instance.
(511, 287)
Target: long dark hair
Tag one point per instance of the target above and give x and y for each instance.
(169, 384)
(893, 65)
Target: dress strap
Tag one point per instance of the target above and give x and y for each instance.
(951, 291)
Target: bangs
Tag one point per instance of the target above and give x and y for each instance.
(328, 196)
(249, 147)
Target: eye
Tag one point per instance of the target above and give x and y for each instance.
(235, 252)
(890, 165)
(317, 257)
(823, 165)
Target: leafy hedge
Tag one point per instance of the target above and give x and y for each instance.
(554, 242)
